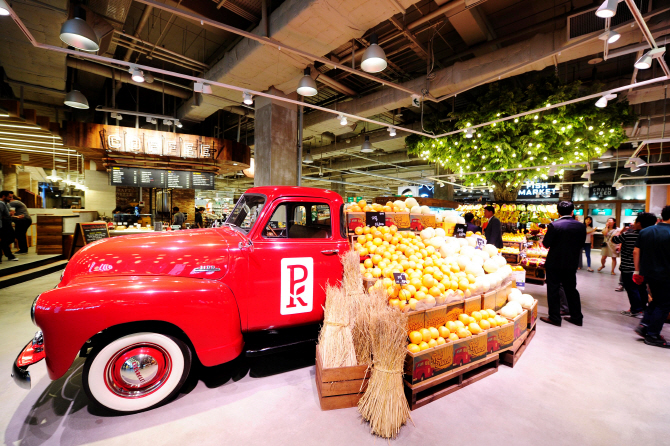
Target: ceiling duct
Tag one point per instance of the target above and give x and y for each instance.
(587, 22)
(472, 3)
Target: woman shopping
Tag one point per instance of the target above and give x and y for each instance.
(588, 243)
(608, 248)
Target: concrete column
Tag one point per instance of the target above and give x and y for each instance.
(276, 141)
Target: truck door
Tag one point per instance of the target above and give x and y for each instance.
(295, 254)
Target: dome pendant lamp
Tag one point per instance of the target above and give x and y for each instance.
(374, 58)
(76, 99)
(4, 9)
(366, 147)
(307, 85)
(79, 34)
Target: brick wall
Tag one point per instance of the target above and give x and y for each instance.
(184, 199)
(126, 195)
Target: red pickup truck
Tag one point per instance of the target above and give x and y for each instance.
(141, 308)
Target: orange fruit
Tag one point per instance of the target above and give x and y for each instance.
(434, 291)
(451, 326)
(453, 337)
(404, 295)
(413, 348)
(434, 333)
(393, 228)
(425, 334)
(423, 346)
(368, 263)
(362, 203)
(441, 341)
(358, 230)
(443, 331)
(376, 259)
(432, 343)
(394, 303)
(415, 337)
(428, 281)
(419, 295)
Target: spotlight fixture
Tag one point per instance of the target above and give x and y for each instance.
(608, 154)
(343, 119)
(167, 122)
(607, 9)
(604, 165)
(366, 147)
(178, 124)
(602, 102)
(469, 133)
(4, 9)
(639, 162)
(149, 119)
(246, 98)
(391, 131)
(610, 36)
(308, 158)
(587, 175)
(374, 58)
(136, 74)
(587, 184)
(307, 85)
(644, 62)
(116, 116)
(148, 78)
(79, 34)
(617, 185)
(76, 99)
(201, 87)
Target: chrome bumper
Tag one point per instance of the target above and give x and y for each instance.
(33, 352)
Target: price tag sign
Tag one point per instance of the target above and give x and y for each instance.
(374, 219)
(480, 243)
(460, 230)
(400, 278)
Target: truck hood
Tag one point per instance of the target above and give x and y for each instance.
(199, 253)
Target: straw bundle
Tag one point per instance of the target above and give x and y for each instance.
(336, 343)
(384, 404)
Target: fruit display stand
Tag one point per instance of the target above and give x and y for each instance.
(340, 387)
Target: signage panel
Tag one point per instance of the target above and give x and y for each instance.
(123, 176)
(202, 180)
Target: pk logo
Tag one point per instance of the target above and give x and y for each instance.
(297, 285)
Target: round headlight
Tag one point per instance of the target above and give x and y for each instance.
(32, 309)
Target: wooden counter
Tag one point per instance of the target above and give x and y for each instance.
(50, 237)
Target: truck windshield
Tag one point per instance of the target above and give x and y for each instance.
(246, 211)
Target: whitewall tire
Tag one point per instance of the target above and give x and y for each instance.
(136, 371)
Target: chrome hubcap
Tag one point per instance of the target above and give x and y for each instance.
(138, 370)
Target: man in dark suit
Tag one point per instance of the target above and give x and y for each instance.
(565, 239)
(493, 231)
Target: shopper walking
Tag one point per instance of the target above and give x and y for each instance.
(637, 294)
(493, 231)
(565, 240)
(6, 231)
(588, 243)
(470, 225)
(651, 256)
(22, 222)
(609, 249)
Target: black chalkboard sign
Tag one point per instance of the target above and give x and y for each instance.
(373, 219)
(400, 278)
(85, 233)
(460, 230)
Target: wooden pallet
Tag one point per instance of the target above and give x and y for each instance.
(340, 387)
(510, 356)
(418, 395)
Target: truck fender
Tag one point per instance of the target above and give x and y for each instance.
(205, 310)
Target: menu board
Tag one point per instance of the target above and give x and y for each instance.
(152, 178)
(177, 179)
(202, 180)
(173, 179)
(123, 176)
(85, 233)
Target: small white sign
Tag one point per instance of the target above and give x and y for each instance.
(297, 285)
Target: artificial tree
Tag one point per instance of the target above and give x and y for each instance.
(574, 133)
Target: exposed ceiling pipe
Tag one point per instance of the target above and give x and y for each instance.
(332, 83)
(124, 76)
(138, 30)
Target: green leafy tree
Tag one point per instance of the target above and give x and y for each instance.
(573, 133)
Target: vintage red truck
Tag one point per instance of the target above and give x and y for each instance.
(142, 308)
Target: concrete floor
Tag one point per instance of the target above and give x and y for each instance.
(591, 385)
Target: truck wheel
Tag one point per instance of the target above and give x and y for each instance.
(136, 371)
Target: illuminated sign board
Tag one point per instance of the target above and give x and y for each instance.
(532, 189)
(150, 142)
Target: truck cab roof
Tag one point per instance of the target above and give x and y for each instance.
(273, 192)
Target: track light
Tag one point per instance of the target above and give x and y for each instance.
(604, 165)
(644, 62)
(79, 34)
(307, 85)
(586, 184)
(617, 185)
(136, 74)
(76, 99)
(610, 36)
(178, 124)
(391, 131)
(308, 158)
(116, 116)
(343, 119)
(366, 147)
(374, 58)
(201, 87)
(167, 122)
(469, 133)
(246, 98)
(602, 102)
(587, 174)
(148, 78)
(639, 162)
(607, 9)
(4, 9)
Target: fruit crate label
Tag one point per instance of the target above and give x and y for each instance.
(520, 278)
(374, 219)
(480, 243)
(460, 230)
(473, 304)
(415, 321)
(436, 317)
(453, 310)
(400, 278)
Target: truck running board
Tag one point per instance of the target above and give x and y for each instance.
(267, 342)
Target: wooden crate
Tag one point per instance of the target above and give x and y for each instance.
(418, 395)
(513, 353)
(340, 387)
